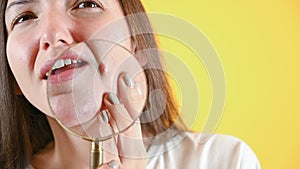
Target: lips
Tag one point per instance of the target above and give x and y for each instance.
(69, 61)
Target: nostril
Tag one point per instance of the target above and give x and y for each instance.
(53, 40)
(46, 46)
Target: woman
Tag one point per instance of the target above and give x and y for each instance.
(34, 30)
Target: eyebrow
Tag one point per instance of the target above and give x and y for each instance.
(18, 2)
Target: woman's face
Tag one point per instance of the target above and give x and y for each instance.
(38, 30)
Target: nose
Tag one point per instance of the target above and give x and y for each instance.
(56, 32)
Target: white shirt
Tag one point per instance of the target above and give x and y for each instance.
(188, 152)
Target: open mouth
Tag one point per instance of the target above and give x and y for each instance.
(63, 65)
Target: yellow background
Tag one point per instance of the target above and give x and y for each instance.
(258, 42)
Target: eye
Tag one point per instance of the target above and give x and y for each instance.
(88, 4)
(22, 18)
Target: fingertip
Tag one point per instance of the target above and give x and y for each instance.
(127, 80)
(113, 164)
(105, 115)
(111, 98)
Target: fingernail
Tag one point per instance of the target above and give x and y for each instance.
(128, 81)
(113, 164)
(113, 99)
(105, 116)
(138, 88)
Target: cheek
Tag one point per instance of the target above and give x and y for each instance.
(20, 55)
(115, 31)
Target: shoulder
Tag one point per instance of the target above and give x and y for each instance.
(224, 150)
(206, 151)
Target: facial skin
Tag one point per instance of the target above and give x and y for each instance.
(39, 30)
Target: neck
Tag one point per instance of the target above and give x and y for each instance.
(67, 151)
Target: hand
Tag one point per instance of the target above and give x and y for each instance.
(127, 150)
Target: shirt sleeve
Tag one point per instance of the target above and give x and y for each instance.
(218, 152)
(228, 152)
(248, 159)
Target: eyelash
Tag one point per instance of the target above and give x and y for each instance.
(22, 18)
(78, 5)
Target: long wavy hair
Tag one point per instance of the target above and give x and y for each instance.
(25, 130)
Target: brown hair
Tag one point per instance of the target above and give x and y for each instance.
(25, 130)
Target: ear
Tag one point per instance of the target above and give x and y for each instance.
(138, 54)
(17, 89)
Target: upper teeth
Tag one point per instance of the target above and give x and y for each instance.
(61, 63)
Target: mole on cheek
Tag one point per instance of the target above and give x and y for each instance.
(103, 68)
